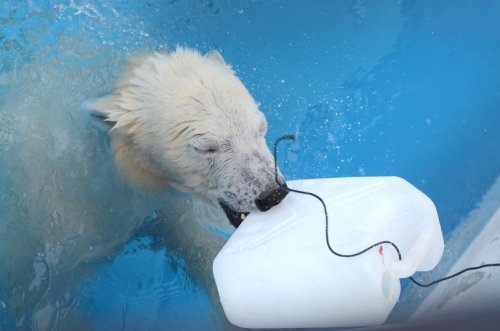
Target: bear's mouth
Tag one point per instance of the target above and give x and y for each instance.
(235, 217)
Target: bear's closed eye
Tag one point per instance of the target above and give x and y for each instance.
(205, 145)
(207, 150)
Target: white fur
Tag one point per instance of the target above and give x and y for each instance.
(185, 120)
(65, 209)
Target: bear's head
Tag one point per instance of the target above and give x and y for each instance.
(185, 120)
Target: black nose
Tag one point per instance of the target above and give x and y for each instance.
(270, 199)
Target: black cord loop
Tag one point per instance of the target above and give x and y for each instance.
(292, 137)
(284, 187)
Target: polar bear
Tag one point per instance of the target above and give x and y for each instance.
(184, 120)
(181, 120)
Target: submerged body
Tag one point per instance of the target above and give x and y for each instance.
(161, 138)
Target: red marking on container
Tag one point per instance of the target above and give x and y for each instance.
(381, 250)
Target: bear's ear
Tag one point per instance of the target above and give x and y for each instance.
(97, 110)
(216, 56)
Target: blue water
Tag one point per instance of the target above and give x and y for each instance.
(406, 88)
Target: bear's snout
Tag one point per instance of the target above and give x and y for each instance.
(270, 199)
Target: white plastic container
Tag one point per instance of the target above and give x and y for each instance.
(276, 270)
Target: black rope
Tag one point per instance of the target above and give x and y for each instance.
(292, 137)
(454, 275)
(284, 187)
